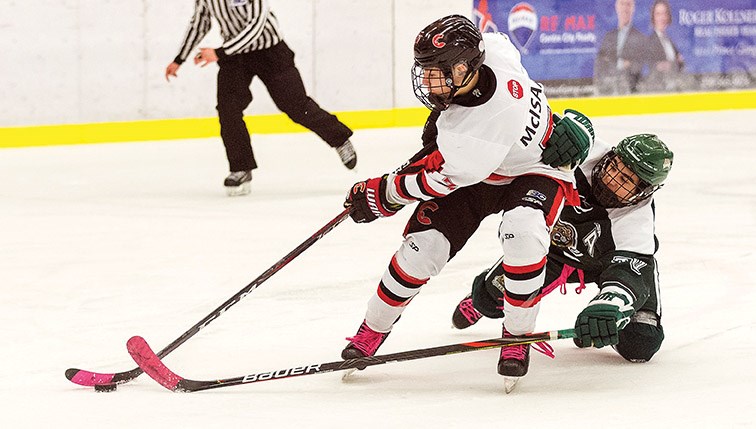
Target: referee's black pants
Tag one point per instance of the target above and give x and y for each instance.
(275, 68)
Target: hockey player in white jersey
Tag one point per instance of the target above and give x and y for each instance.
(492, 124)
(608, 240)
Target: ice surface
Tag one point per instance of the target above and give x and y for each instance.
(102, 242)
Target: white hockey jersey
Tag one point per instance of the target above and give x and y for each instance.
(493, 142)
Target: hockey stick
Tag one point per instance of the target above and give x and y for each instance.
(155, 368)
(89, 378)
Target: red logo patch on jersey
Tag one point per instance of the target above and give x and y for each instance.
(437, 41)
(421, 216)
(515, 89)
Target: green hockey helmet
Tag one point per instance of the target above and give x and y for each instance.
(646, 157)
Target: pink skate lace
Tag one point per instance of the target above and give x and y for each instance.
(514, 352)
(471, 314)
(367, 340)
(518, 352)
(561, 283)
(544, 348)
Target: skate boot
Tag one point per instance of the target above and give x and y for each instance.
(465, 315)
(515, 360)
(238, 183)
(364, 343)
(347, 154)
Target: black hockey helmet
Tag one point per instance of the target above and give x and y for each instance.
(442, 45)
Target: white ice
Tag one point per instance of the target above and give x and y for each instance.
(102, 242)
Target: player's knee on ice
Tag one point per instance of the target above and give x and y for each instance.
(641, 338)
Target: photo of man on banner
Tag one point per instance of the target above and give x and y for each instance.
(621, 57)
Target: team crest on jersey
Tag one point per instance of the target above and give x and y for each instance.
(522, 23)
(422, 212)
(565, 236)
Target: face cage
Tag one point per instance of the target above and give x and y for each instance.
(608, 198)
(433, 101)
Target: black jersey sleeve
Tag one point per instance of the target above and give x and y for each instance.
(633, 272)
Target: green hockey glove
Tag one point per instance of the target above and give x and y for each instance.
(570, 141)
(601, 320)
(486, 297)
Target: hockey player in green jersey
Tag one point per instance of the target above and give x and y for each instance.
(608, 240)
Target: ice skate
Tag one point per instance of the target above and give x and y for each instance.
(347, 154)
(514, 361)
(364, 343)
(238, 183)
(465, 315)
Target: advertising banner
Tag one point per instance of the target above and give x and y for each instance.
(615, 47)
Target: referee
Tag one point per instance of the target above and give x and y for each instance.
(253, 46)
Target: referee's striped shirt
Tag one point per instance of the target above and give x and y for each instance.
(245, 25)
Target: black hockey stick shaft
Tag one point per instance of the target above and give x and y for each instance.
(155, 368)
(89, 378)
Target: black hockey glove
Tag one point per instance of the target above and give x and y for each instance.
(367, 200)
(599, 323)
(570, 141)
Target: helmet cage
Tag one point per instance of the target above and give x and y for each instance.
(635, 191)
(437, 96)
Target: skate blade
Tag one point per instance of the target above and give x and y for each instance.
(347, 373)
(510, 383)
(236, 191)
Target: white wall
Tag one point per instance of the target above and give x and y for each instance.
(79, 61)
